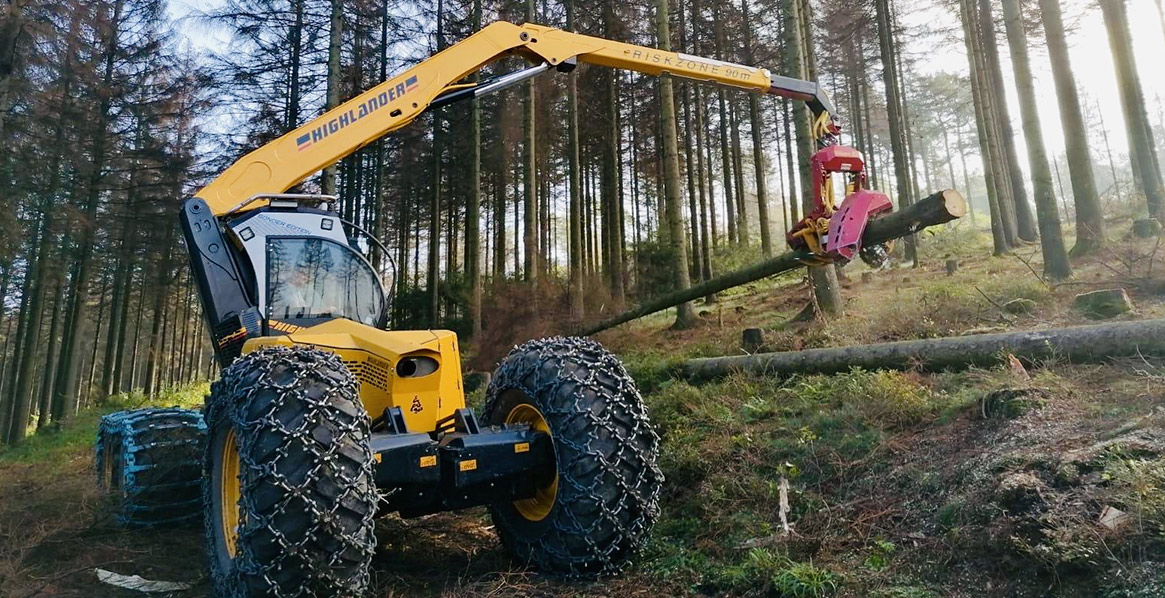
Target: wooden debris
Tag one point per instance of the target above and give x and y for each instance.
(752, 339)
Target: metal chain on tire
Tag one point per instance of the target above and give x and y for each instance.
(582, 370)
(284, 403)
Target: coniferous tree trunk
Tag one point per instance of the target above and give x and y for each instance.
(39, 262)
(116, 311)
(707, 217)
(1108, 150)
(990, 96)
(335, 39)
(79, 295)
(743, 230)
(499, 207)
(529, 169)
(473, 207)
(734, 232)
(47, 407)
(161, 289)
(790, 157)
(1161, 14)
(906, 130)
(1089, 218)
(998, 191)
(1056, 266)
(893, 103)
(674, 229)
(962, 150)
(433, 265)
(758, 157)
(826, 291)
(612, 199)
(1141, 146)
(575, 209)
(296, 38)
(1025, 223)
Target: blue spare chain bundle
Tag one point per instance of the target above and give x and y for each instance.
(152, 460)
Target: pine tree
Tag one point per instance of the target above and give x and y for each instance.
(1056, 266)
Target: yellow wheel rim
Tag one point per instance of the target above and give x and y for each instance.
(537, 507)
(229, 492)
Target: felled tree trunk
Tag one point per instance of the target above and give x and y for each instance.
(1079, 344)
(940, 208)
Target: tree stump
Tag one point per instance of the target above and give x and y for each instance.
(1104, 304)
(1146, 228)
(752, 339)
(952, 267)
(1020, 306)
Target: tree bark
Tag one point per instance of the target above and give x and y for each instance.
(575, 209)
(433, 263)
(685, 318)
(530, 171)
(335, 39)
(1056, 266)
(1024, 221)
(473, 207)
(826, 291)
(940, 208)
(1089, 218)
(1141, 145)
(161, 290)
(996, 195)
(734, 232)
(758, 156)
(893, 102)
(743, 231)
(612, 198)
(1078, 344)
(79, 296)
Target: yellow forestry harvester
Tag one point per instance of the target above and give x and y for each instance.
(323, 420)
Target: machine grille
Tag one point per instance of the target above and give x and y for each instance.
(369, 371)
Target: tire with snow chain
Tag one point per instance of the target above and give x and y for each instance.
(289, 496)
(599, 509)
(151, 459)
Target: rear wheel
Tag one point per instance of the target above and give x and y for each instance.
(596, 512)
(289, 494)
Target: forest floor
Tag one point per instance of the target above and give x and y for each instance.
(984, 482)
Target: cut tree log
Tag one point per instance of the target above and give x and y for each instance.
(1078, 344)
(940, 208)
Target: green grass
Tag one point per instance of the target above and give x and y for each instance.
(726, 446)
(58, 443)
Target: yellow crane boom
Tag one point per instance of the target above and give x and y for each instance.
(288, 160)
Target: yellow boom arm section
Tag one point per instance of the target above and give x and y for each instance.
(288, 160)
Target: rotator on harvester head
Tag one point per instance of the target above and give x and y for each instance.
(833, 233)
(323, 419)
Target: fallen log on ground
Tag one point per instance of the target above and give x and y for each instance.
(1078, 344)
(940, 208)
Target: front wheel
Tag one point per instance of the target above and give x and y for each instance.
(289, 498)
(596, 512)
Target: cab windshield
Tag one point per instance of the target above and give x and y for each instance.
(319, 278)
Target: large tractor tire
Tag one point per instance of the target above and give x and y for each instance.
(289, 494)
(597, 511)
(151, 460)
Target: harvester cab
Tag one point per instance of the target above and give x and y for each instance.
(322, 419)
